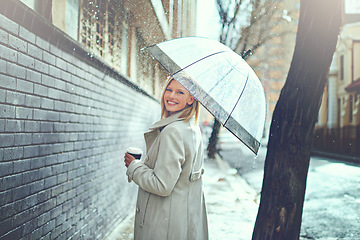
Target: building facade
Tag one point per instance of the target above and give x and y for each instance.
(338, 126)
(75, 91)
(116, 31)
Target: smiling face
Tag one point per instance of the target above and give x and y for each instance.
(176, 97)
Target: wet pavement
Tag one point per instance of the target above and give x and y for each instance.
(231, 204)
(332, 200)
(232, 195)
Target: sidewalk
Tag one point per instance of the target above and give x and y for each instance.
(231, 204)
(336, 156)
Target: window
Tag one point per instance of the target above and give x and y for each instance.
(117, 36)
(145, 66)
(338, 112)
(166, 5)
(124, 51)
(93, 23)
(114, 41)
(41, 7)
(351, 108)
(103, 31)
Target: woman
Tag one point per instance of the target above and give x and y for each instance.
(170, 203)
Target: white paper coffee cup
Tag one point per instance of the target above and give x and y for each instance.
(135, 152)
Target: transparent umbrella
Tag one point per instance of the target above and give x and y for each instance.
(220, 80)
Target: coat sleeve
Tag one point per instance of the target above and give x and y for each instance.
(162, 179)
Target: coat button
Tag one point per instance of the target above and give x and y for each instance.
(137, 210)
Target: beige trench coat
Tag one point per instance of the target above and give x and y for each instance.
(170, 203)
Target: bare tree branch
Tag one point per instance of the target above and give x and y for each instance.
(246, 24)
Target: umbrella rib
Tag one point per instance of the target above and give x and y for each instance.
(217, 83)
(233, 67)
(210, 55)
(237, 100)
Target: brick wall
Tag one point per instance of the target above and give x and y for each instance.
(66, 119)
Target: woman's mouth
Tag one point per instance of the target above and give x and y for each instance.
(171, 103)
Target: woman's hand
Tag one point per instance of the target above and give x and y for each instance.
(128, 159)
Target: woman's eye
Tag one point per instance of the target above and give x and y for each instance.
(180, 92)
(168, 90)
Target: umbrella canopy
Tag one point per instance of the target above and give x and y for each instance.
(220, 80)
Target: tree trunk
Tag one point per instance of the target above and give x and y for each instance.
(212, 146)
(294, 117)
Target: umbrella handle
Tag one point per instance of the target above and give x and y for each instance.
(246, 54)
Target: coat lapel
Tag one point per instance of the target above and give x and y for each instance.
(166, 121)
(150, 138)
(155, 129)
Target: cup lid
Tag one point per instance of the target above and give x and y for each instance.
(134, 150)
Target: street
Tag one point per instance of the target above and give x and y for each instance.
(332, 200)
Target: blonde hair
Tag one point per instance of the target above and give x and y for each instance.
(188, 111)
